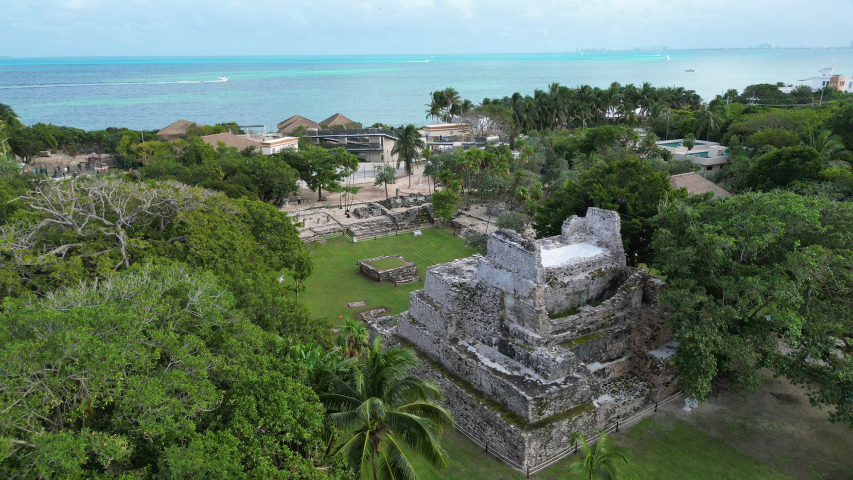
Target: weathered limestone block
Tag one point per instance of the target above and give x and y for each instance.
(403, 274)
(528, 341)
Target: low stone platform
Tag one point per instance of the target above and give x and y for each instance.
(390, 268)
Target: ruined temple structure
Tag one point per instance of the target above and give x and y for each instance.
(540, 338)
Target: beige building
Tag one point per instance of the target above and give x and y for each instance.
(369, 145)
(447, 136)
(270, 146)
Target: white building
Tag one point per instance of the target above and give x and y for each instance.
(270, 146)
(710, 156)
(827, 79)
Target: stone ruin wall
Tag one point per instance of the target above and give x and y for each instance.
(403, 274)
(483, 324)
(523, 444)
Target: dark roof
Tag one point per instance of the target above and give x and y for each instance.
(697, 184)
(177, 129)
(230, 140)
(335, 120)
(287, 126)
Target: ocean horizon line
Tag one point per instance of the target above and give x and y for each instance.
(332, 55)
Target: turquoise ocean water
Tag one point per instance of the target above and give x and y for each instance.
(150, 93)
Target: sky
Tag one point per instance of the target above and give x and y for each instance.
(56, 28)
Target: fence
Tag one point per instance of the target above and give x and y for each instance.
(528, 471)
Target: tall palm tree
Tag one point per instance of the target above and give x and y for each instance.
(599, 460)
(407, 148)
(829, 146)
(382, 408)
(451, 97)
(352, 337)
(710, 120)
(434, 111)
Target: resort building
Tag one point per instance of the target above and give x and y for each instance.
(447, 136)
(336, 121)
(827, 79)
(177, 130)
(697, 185)
(369, 145)
(711, 156)
(240, 142)
(288, 126)
(270, 146)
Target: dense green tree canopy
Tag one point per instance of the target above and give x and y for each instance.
(761, 280)
(629, 186)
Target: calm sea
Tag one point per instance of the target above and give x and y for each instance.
(150, 93)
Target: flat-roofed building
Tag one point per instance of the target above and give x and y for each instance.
(368, 144)
(710, 156)
(447, 136)
(270, 146)
(828, 79)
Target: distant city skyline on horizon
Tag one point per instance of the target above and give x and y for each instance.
(75, 28)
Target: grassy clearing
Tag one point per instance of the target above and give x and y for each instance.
(336, 280)
(660, 447)
(387, 263)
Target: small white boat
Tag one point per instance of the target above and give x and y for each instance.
(219, 80)
(667, 57)
(692, 70)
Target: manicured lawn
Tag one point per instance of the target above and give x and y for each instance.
(660, 447)
(336, 280)
(387, 263)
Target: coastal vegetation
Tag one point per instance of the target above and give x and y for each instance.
(144, 333)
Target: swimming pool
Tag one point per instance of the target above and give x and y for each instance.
(670, 144)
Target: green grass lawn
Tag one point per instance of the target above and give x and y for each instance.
(336, 280)
(387, 263)
(660, 447)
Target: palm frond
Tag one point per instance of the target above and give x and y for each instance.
(393, 463)
(420, 434)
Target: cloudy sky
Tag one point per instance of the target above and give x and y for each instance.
(284, 27)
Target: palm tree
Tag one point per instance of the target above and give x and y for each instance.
(407, 148)
(451, 98)
(599, 460)
(352, 338)
(383, 407)
(319, 365)
(710, 120)
(829, 146)
(689, 142)
(434, 111)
